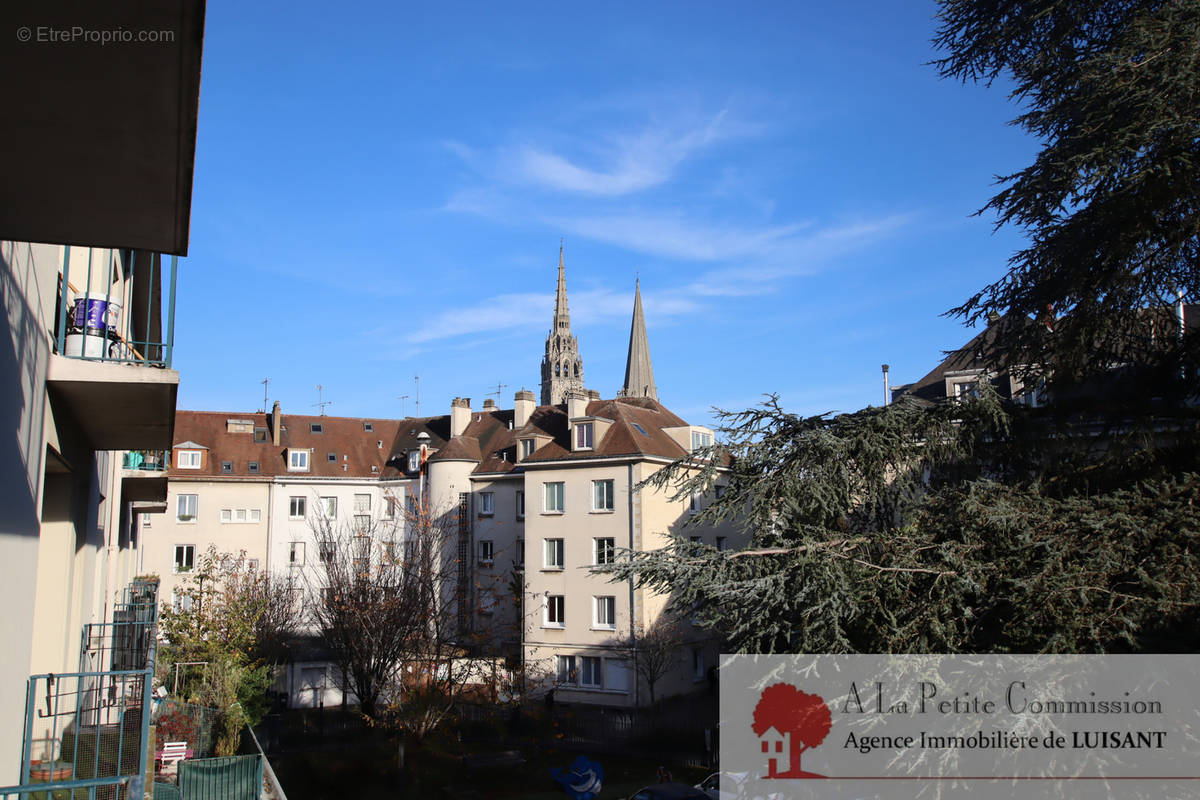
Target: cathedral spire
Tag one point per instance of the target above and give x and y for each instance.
(562, 368)
(639, 372)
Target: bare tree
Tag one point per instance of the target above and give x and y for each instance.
(385, 601)
(656, 651)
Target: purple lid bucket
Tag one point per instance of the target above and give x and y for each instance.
(93, 315)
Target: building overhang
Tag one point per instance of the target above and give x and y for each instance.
(116, 406)
(144, 487)
(101, 135)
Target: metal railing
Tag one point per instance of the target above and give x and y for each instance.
(87, 732)
(115, 308)
(145, 460)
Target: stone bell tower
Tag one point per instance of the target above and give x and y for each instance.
(562, 368)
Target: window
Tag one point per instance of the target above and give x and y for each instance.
(605, 550)
(145, 520)
(694, 503)
(329, 507)
(605, 613)
(226, 467)
(722, 543)
(556, 607)
(589, 672)
(527, 447)
(966, 390)
(326, 550)
(255, 515)
(368, 427)
(566, 669)
(315, 427)
(602, 495)
(226, 515)
(719, 490)
(701, 439)
(260, 435)
(296, 509)
(520, 504)
(616, 674)
(362, 523)
(554, 554)
(332, 457)
(188, 459)
(487, 503)
(697, 664)
(296, 553)
(414, 460)
(486, 552)
(362, 504)
(186, 507)
(298, 460)
(252, 564)
(185, 557)
(391, 506)
(520, 559)
(583, 435)
(252, 466)
(553, 497)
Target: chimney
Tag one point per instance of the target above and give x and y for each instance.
(887, 389)
(489, 405)
(577, 402)
(523, 405)
(593, 394)
(276, 424)
(460, 416)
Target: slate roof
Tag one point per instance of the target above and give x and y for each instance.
(621, 439)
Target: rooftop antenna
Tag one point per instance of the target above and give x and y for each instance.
(403, 404)
(320, 402)
(500, 387)
(417, 399)
(887, 390)
(265, 381)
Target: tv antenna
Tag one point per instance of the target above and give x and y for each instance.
(500, 387)
(403, 398)
(417, 378)
(321, 403)
(265, 382)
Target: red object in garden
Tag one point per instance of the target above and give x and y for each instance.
(800, 721)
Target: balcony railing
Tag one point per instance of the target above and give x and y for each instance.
(87, 732)
(114, 309)
(145, 460)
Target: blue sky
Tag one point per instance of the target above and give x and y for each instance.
(380, 193)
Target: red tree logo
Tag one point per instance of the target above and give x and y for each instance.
(787, 719)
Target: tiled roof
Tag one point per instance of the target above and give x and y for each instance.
(622, 438)
(352, 446)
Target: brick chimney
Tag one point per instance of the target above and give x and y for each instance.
(523, 405)
(460, 416)
(276, 423)
(489, 405)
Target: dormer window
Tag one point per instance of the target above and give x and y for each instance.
(701, 439)
(369, 427)
(414, 460)
(315, 427)
(527, 448)
(584, 433)
(188, 459)
(298, 460)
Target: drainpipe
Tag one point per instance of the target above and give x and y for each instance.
(632, 618)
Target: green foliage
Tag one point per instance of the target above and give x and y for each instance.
(889, 530)
(1111, 205)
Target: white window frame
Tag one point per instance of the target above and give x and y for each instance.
(329, 507)
(182, 504)
(566, 672)
(188, 459)
(487, 504)
(414, 460)
(554, 490)
(555, 606)
(487, 552)
(300, 501)
(554, 547)
(299, 460)
(585, 435)
(520, 504)
(604, 612)
(487, 601)
(296, 554)
(362, 503)
(701, 439)
(188, 551)
(597, 668)
(602, 496)
(226, 515)
(527, 448)
(601, 553)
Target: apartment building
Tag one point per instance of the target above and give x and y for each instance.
(97, 193)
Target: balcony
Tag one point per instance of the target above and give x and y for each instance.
(144, 480)
(114, 340)
(87, 732)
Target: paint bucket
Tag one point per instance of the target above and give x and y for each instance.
(89, 345)
(95, 315)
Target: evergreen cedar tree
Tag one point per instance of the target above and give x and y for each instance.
(981, 526)
(803, 716)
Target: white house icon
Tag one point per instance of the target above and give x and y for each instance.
(775, 748)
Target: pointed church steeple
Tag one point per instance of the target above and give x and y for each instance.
(639, 372)
(562, 368)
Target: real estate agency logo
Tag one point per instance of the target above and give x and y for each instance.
(788, 722)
